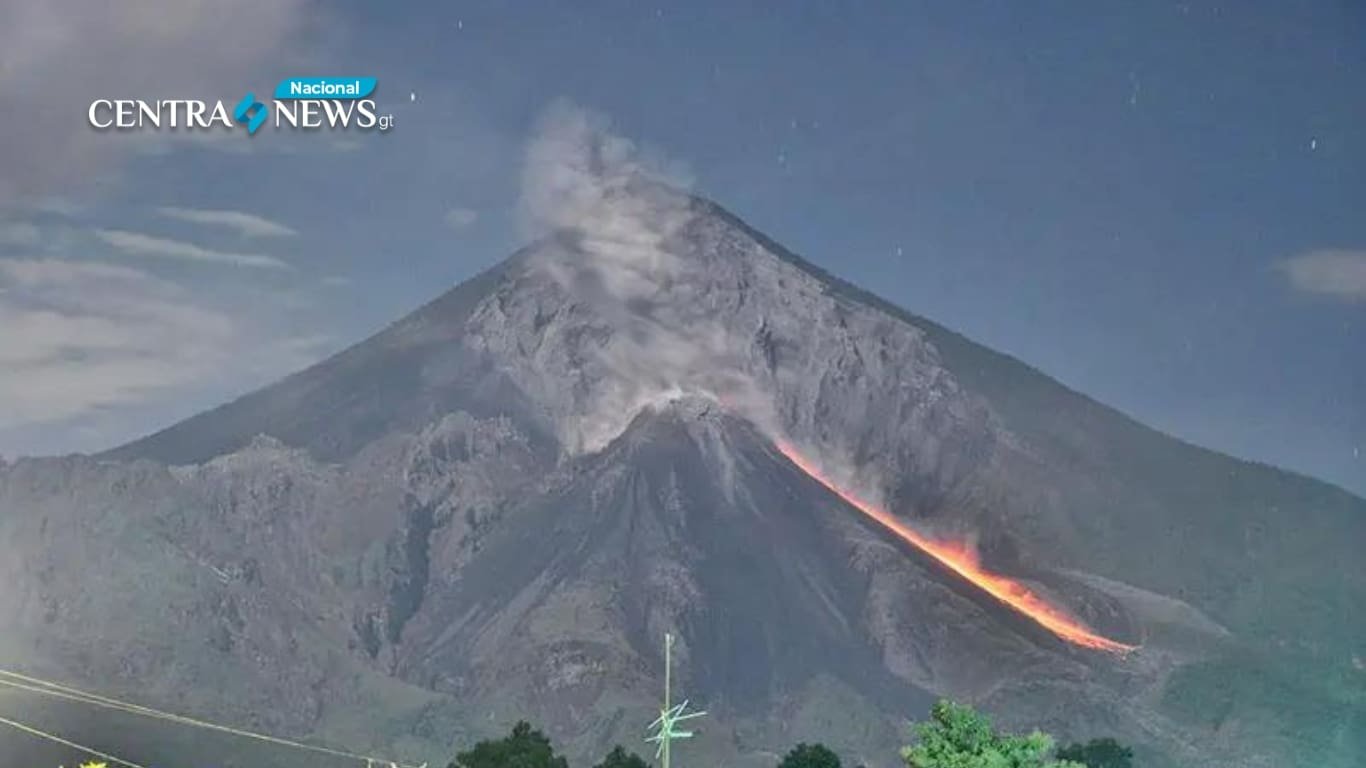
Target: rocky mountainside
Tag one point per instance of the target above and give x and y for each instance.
(497, 506)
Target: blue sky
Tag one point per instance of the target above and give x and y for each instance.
(1160, 204)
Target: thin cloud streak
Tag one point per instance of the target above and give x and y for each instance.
(82, 335)
(138, 244)
(245, 224)
(84, 342)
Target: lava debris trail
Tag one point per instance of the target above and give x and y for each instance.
(963, 562)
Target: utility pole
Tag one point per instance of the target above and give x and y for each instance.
(669, 715)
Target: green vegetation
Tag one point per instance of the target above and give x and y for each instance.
(810, 756)
(620, 758)
(523, 748)
(1099, 753)
(957, 736)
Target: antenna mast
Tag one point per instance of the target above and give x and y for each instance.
(669, 715)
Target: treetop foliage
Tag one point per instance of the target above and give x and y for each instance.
(523, 748)
(810, 756)
(620, 758)
(1099, 753)
(957, 736)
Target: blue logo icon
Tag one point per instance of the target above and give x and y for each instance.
(250, 112)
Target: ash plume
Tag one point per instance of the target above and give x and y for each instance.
(625, 213)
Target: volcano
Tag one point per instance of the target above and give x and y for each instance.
(656, 419)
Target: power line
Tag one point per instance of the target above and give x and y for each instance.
(73, 745)
(57, 690)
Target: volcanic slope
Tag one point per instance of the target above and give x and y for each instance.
(497, 505)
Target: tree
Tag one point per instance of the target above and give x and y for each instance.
(1099, 753)
(524, 748)
(958, 737)
(810, 756)
(620, 758)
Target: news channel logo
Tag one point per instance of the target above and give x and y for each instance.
(298, 104)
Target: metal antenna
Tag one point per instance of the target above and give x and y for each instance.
(669, 715)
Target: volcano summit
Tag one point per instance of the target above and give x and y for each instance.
(653, 419)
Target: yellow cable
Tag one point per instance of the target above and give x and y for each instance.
(73, 745)
(57, 690)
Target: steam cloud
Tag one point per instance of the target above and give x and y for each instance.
(627, 211)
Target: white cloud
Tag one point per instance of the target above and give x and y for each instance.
(56, 55)
(459, 218)
(246, 224)
(82, 338)
(139, 244)
(1338, 273)
(54, 206)
(20, 234)
(80, 335)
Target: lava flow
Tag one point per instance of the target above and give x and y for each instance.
(962, 561)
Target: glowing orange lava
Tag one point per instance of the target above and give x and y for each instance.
(963, 562)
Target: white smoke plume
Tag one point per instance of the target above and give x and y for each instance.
(627, 209)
